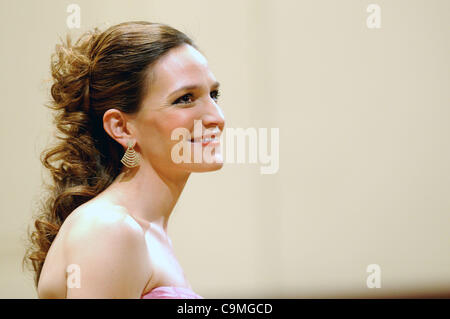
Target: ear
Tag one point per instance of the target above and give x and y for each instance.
(116, 124)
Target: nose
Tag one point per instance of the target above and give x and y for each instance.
(213, 115)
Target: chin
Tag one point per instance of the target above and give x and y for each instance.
(203, 167)
(209, 167)
(207, 161)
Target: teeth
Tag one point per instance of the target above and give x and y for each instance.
(205, 140)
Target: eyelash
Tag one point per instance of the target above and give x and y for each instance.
(217, 94)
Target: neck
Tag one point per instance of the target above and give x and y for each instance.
(147, 193)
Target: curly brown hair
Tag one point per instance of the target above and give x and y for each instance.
(102, 70)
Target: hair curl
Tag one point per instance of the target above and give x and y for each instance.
(102, 70)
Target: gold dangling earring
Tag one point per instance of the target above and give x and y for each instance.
(131, 158)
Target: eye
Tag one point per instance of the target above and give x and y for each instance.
(215, 94)
(185, 99)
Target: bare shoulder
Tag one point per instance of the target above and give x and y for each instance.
(108, 248)
(99, 220)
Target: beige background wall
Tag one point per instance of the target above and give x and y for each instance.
(364, 174)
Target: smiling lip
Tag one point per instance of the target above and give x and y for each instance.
(210, 139)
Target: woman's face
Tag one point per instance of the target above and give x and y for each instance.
(182, 90)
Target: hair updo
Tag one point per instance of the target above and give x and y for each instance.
(102, 70)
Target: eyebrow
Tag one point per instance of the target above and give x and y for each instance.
(193, 87)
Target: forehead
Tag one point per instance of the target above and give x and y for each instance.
(183, 65)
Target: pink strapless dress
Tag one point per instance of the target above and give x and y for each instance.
(171, 292)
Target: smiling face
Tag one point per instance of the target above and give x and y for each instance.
(182, 90)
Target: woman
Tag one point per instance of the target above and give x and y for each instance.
(120, 95)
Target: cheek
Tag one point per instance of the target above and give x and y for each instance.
(158, 130)
(177, 119)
